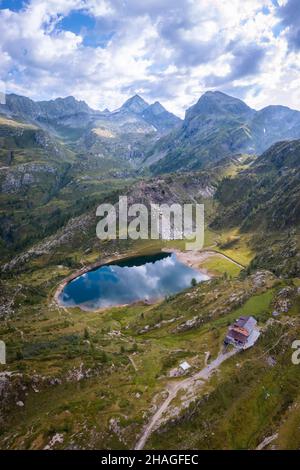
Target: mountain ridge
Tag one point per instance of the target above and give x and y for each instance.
(220, 125)
(59, 108)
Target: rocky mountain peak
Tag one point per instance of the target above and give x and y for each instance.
(135, 104)
(218, 103)
(156, 108)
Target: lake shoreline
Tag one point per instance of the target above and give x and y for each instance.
(193, 259)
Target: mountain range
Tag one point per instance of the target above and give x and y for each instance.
(69, 113)
(124, 134)
(148, 136)
(219, 125)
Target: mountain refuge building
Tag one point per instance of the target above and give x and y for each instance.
(243, 333)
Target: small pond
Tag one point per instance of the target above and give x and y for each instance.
(145, 278)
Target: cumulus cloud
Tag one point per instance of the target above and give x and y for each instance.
(171, 51)
(244, 60)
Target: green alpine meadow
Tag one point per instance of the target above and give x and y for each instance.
(135, 340)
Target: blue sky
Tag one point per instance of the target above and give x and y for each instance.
(104, 51)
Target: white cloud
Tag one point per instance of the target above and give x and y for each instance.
(171, 51)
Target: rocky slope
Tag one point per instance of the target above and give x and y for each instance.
(265, 199)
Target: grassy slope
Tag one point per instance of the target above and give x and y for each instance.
(251, 400)
(50, 342)
(220, 266)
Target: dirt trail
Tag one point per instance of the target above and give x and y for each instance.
(173, 388)
(222, 255)
(133, 363)
(267, 441)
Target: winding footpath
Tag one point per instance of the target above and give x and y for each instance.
(174, 388)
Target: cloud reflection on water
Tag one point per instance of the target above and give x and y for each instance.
(114, 285)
